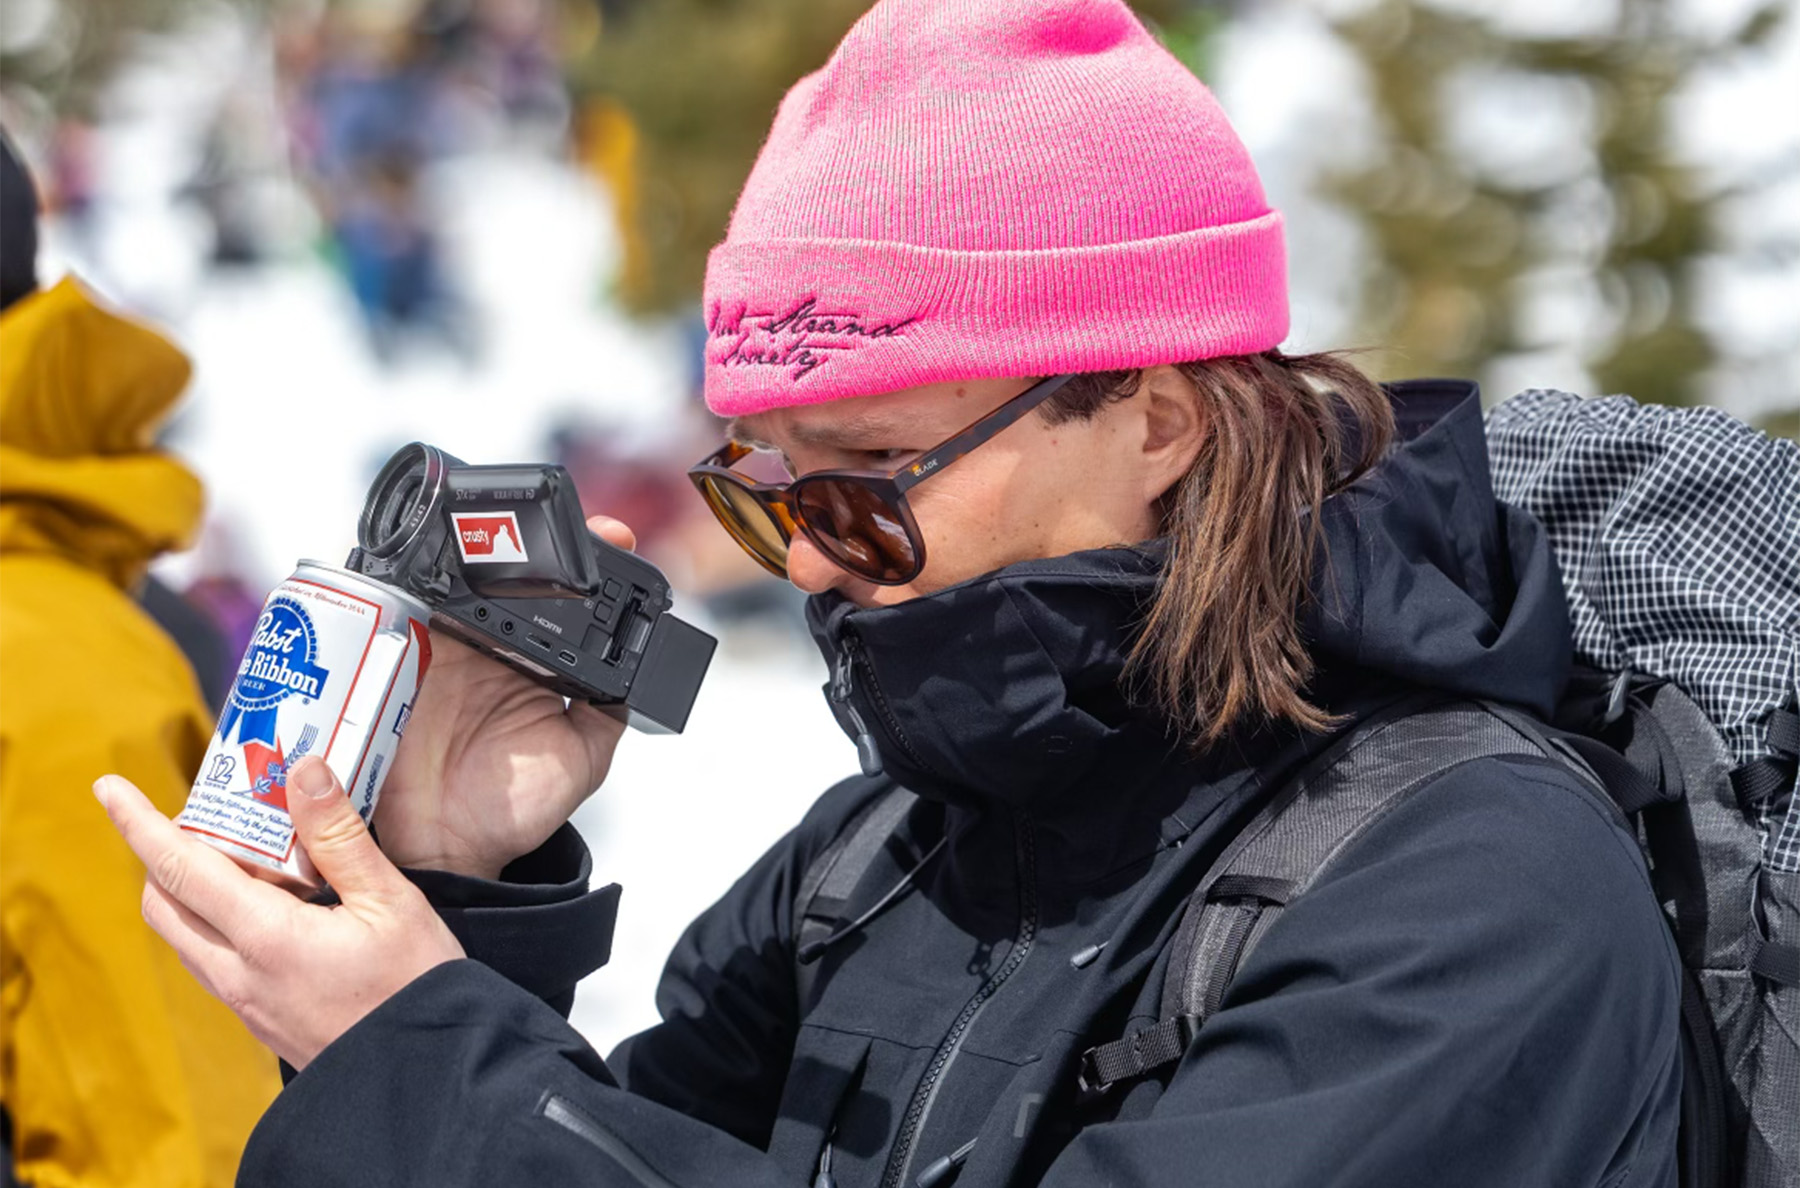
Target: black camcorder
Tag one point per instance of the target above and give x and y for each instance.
(504, 559)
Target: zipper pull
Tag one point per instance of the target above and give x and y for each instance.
(824, 1178)
(866, 754)
(944, 1170)
(840, 677)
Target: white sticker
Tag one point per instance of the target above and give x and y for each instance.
(489, 537)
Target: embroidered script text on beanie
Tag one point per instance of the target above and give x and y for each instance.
(989, 187)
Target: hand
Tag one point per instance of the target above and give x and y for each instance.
(298, 975)
(492, 763)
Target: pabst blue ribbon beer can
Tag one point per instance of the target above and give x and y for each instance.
(333, 670)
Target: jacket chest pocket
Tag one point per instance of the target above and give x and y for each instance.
(827, 1070)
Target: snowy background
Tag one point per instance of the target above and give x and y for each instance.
(290, 411)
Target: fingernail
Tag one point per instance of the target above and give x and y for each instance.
(101, 790)
(313, 779)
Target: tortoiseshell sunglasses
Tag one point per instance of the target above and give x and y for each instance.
(859, 519)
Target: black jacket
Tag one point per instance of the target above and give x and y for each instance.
(1480, 991)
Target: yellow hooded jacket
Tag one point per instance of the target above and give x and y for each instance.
(117, 1068)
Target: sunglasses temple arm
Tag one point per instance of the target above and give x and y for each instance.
(979, 433)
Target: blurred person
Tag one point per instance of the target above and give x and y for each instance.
(224, 182)
(391, 251)
(72, 175)
(642, 485)
(116, 1069)
(228, 598)
(1098, 570)
(379, 111)
(608, 145)
(499, 52)
(199, 635)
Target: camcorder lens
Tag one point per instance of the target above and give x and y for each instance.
(399, 500)
(391, 517)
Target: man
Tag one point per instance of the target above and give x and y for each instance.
(1094, 624)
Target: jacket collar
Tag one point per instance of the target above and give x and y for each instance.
(1007, 687)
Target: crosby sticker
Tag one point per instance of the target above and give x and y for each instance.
(489, 537)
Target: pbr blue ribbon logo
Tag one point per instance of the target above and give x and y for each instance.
(281, 661)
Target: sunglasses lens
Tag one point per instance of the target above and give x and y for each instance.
(857, 528)
(750, 523)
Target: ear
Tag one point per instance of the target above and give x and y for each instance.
(1174, 428)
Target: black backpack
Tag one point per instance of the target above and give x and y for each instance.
(1678, 535)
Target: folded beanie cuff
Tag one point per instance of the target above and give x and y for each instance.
(801, 321)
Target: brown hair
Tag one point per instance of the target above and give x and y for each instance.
(1221, 644)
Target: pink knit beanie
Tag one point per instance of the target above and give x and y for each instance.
(976, 188)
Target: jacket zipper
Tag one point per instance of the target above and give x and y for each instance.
(914, 1121)
(867, 753)
(852, 655)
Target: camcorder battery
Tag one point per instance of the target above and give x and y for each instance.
(333, 670)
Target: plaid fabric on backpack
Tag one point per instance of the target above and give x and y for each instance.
(1678, 535)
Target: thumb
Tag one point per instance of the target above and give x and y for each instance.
(334, 835)
(613, 532)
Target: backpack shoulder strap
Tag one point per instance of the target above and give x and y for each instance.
(1335, 798)
(833, 874)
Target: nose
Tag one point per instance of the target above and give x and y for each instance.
(811, 571)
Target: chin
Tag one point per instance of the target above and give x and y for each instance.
(870, 595)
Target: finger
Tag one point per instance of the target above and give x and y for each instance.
(613, 532)
(335, 836)
(203, 950)
(192, 872)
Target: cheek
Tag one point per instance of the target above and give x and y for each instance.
(984, 518)
(1088, 486)
(1068, 489)
(956, 521)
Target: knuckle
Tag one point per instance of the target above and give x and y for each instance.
(342, 829)
(260, 944)
(254, 950)
(413, 909)
(234, 991)
(169, 871)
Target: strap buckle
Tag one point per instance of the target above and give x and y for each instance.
(1105, 1065)
(1088, 1078)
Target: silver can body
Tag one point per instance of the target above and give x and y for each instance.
(333, 670)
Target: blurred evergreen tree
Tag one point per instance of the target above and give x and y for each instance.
(56, 55)
(1457, 245)
(698, 82)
